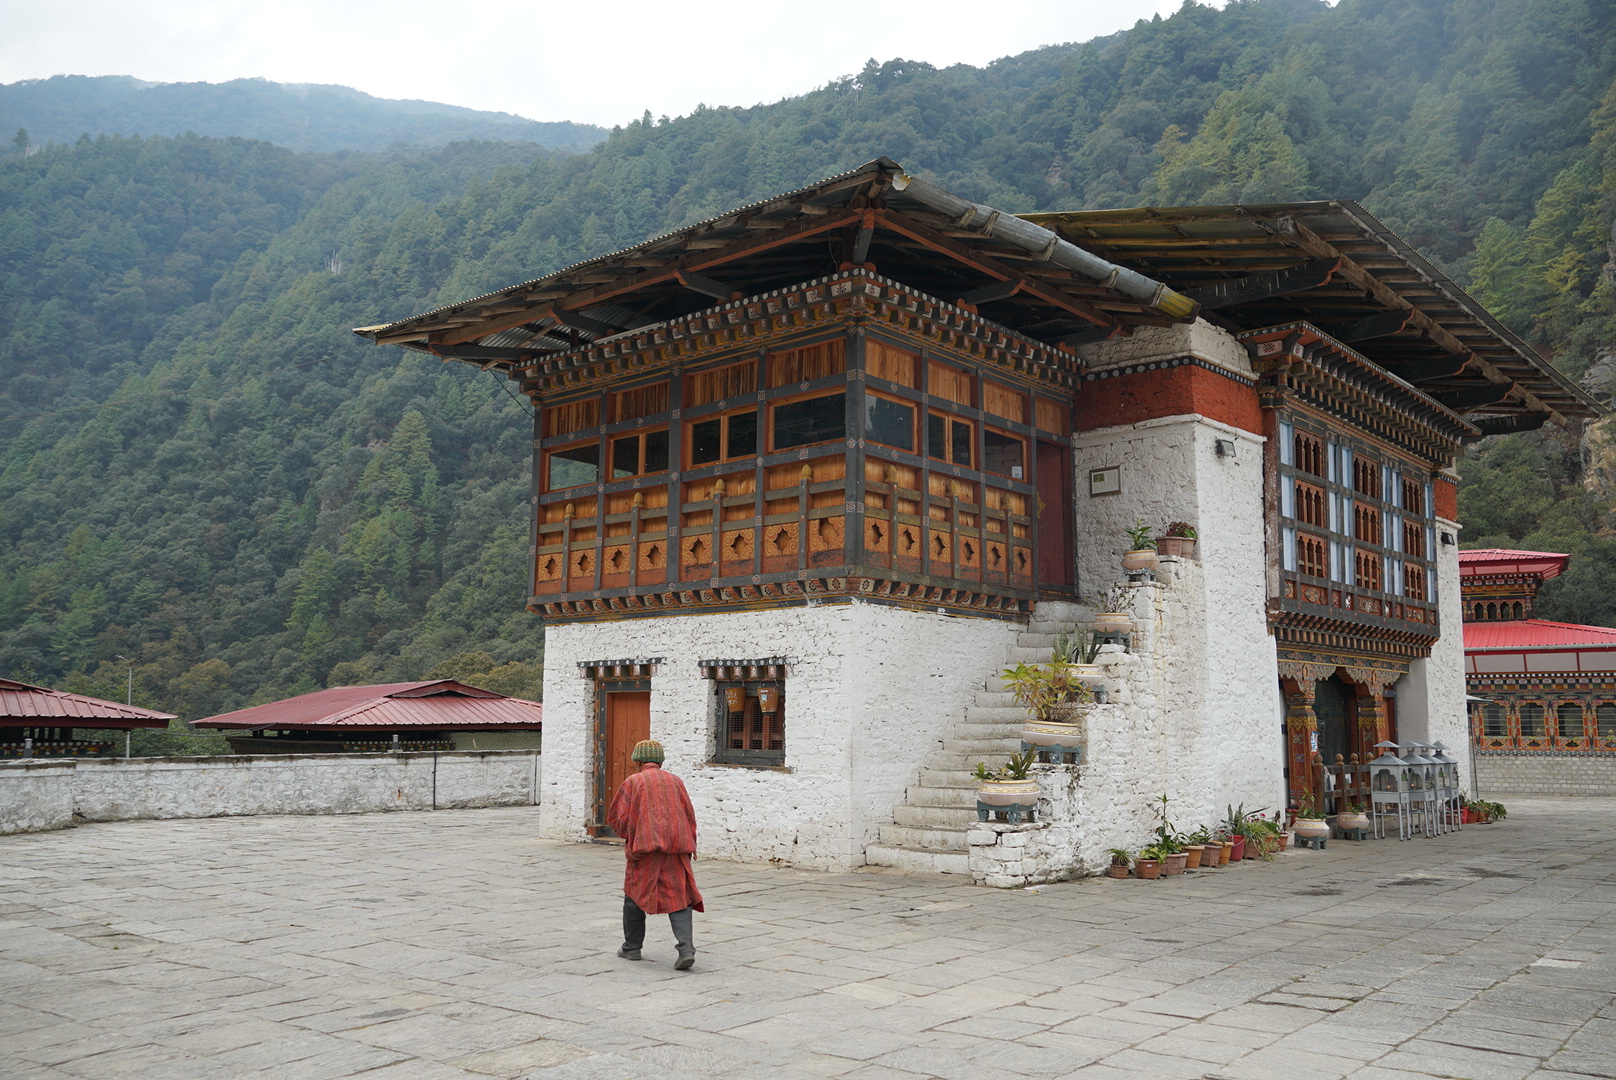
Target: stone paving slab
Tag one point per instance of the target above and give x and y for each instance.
(454, 946)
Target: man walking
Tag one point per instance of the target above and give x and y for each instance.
(652, 813)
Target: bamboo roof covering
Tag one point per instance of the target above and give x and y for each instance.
(1332, 264)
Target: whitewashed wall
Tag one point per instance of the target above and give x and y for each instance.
(34, 795)
(1431, 697)
(870, 696)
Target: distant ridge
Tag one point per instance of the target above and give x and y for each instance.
(297, 116)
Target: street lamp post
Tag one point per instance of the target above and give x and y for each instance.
(128, 699)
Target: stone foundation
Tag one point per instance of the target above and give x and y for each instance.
(1547, 773)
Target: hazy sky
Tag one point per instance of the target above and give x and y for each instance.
(600, 62)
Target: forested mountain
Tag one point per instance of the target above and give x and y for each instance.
(201, 469)
(299, 117)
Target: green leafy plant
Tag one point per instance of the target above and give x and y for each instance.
(1120, 856)
(1152, 853)
(1140, 536)
(1020, 765)
(1081, 648)
(1182, 529)
(981, 772)
(1050, 692)
(1306, 807)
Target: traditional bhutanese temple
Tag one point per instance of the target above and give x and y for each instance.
(809, 474)
(1543, 693)
(36, 721)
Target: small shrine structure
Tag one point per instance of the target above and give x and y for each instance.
(1543, 713)
(809, 474)
(36, 721)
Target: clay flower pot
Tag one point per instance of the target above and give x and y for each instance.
(1237, 849)
(1117, 870)
(1175, 863)
(1312, 828)
(1052, 735)
(1352, 821)
(1225, 853)
(1194, 851)
(1175, 547)
(1113, 622)
(1140, 560)
(1149, 869)
(1008, 792)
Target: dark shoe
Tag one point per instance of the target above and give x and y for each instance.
(629, 954)
(686, 961)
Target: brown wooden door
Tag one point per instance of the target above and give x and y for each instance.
(628, 720)
(1054, 483)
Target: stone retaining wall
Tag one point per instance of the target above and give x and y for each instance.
(1581, 773)
(53, 794)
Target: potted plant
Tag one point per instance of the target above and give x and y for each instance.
(1178, 541)
(1121, 861)
(1309, 825)
(1080, 651)
(1236, 824)
(1353, 817)
(1196, 845)
(1055, 698)
(1148, 864)
(1141, 557)
(1009, 788)
(1112, 614)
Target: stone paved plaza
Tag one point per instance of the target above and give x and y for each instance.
(451, 945)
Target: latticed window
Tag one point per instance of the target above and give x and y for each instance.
(1414, 582)
(1605, 716)
(1414, 539)
(1531, 720)
(1310, 505)
(1568, 717)
(1366, 524)
(1366, 476)
(1369, 570)
(1312, 555)
(1494, 722)
(1413, 496)
(756, 732)
(1309, 453)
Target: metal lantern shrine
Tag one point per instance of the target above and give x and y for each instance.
(1452, 817)
(1388, 790)
(1423, 788)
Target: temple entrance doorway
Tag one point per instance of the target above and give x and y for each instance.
(625, 720)
(1333, 706)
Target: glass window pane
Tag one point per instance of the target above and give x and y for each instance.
(1492, 717)
(1002, 454)
(575, 465)
(656, 450)
(625, 457)
(742, 440)
(937, 436)
(1570, 717)
(1531, 719)
(889, 422)
(1606, 715)
(960, 441)
(815, 420)
(706, 443)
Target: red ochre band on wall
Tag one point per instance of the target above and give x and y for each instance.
(1445, 494)
(1168, 391)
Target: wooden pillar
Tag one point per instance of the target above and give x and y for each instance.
(1301, 728)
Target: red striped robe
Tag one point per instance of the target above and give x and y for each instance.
(652, 813)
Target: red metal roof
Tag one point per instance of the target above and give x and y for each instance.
(439, 705)
(25, 705)
(1485, 562)
(1534, 634)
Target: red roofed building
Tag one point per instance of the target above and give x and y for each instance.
(36, 721)
(440, 714)
(1546, 723)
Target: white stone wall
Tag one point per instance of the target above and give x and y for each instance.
(497, 740)
(1568, 774)
(870, 696)
(1431, 697)
(33, 794)
(1200, 339)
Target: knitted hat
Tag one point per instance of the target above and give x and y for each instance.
(647, 750)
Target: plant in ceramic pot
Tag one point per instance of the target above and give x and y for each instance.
(1121, 862)
(1111, 611)
(1196, 846)
(1081, 651)
(1148, 863)
(1055, 698)
(1177, 541)
(1353, 817)
(1309, 825)
(1009, 788)
(1239, 828)
(1141, 557)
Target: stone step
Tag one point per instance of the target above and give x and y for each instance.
(921, 816)
(933, 776)
(995, 699)
(1020, 654)
(969, 747)
(1028, 640)
(995, 714)
(918, 860)
(961, 797)
(934, 837)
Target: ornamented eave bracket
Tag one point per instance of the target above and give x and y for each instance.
(769, 667)
(759, 320)
(637, 668)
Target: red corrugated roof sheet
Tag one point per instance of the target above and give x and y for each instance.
(1485, 561)
(1534, 633)
(25, 705)
(439, 705)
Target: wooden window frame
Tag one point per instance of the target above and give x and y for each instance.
(688, 456)
(723, 753)
(635, 433)
(772, 447)
(600, 466)
(917, 414)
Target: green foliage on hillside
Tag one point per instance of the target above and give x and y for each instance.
(300, 117)
(201, 468)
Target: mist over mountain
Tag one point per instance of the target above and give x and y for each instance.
(202, 469)
(296, 116)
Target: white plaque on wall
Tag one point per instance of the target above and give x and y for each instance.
(1106, 481)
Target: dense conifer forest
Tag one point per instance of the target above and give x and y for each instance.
(202, 470)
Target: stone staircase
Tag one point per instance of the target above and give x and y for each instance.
(928, 832)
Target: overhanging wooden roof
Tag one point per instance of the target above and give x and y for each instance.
(1334, 265)
(1019, 275)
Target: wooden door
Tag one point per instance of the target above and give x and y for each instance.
(628, 720)
(1054, 483)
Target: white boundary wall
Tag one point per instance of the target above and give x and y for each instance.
(871, 694)
(53, 794)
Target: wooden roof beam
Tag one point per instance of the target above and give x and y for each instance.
(1221, 294)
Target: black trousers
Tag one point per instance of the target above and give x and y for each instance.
(634, 928)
